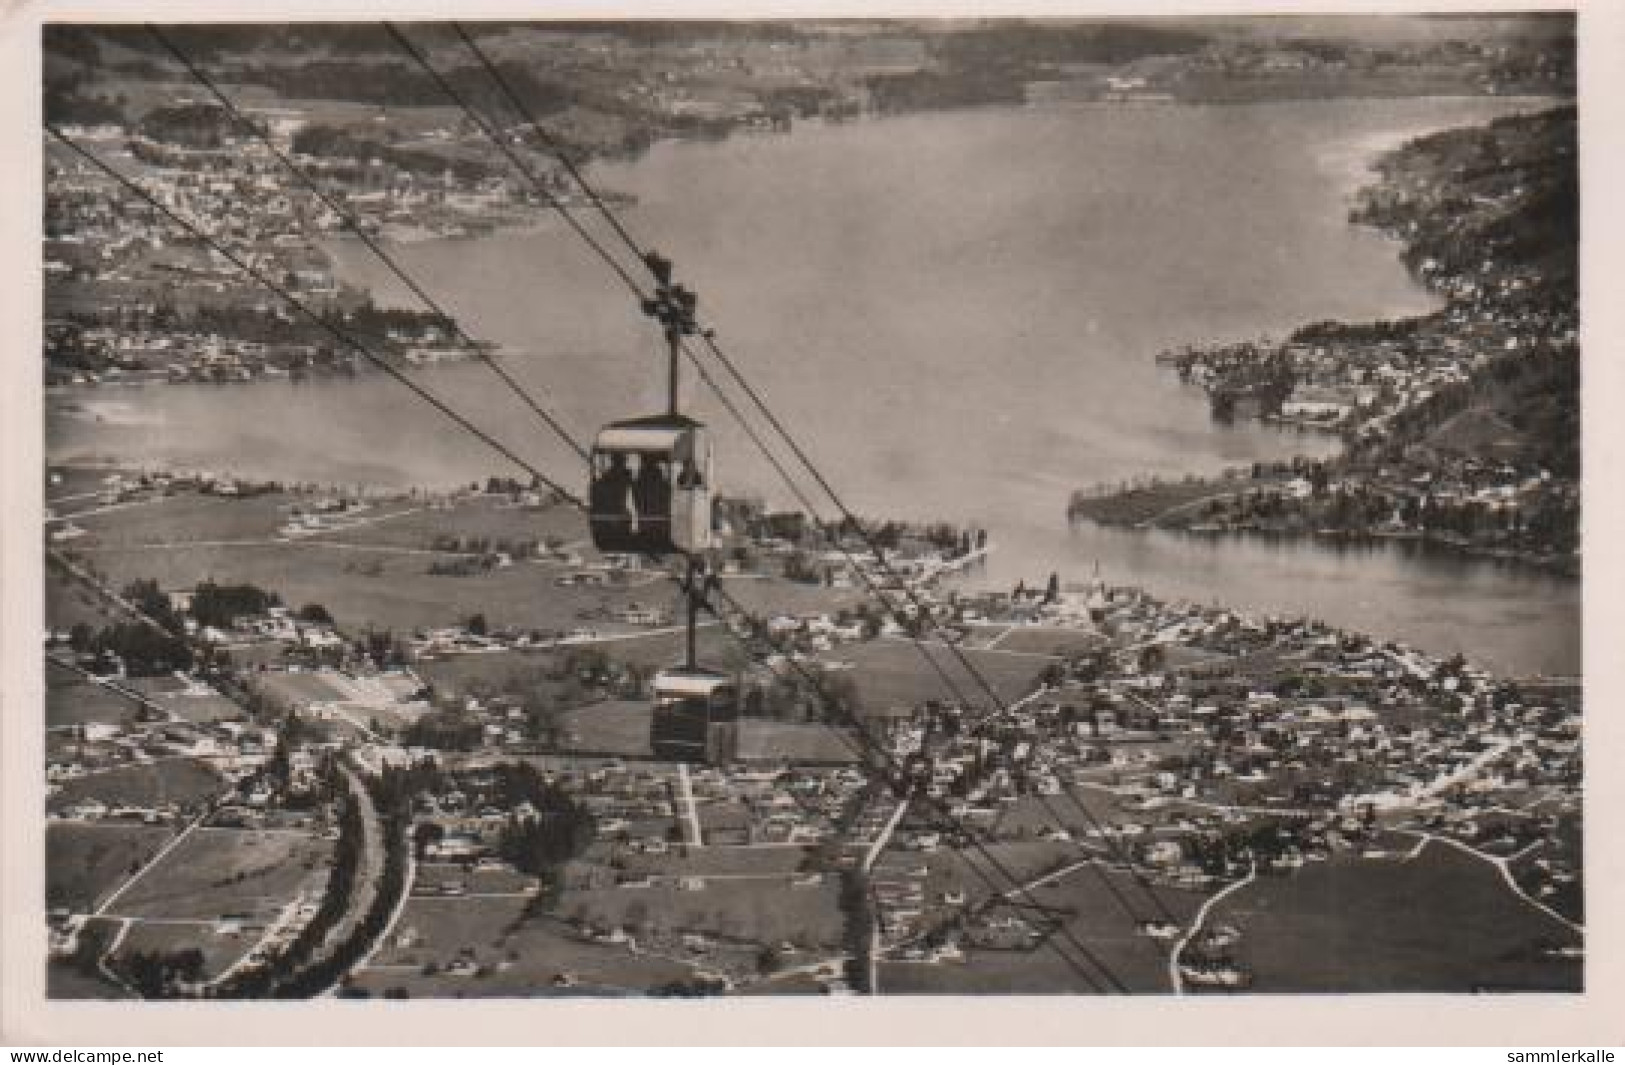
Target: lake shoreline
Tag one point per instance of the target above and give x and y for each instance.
(1269, 376)
(593, 341)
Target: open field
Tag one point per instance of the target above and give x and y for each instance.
(710, 861)
(1078, 810)
(513, 961)
(84, 863)
(1444, 922)
(457, 675)
(224, 871)
(198, 704)
(220, 949)
(437, 930)
(973, 873)
(651, 649)
(68, 603)
(614, 727)
(1039, 639)
(761, 911)
(1093, 918)
(181, 518)
(66, 482)
(172, 780)
(659, 649)
(380, 588)
(893, 672)
(774, 595)
(761, 740)
(71, 699)
(297, 689)
(434, 876)
(485, 517)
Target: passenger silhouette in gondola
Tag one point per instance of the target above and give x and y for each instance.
(651, 494)
(611, 498)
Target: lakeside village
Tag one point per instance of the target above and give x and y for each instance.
(1461, 427)
(130, 300)
(251, 797)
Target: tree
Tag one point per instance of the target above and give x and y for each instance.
(424, 834)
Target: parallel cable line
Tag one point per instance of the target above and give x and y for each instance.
(491, 442)
(323, 323)
(553, 144)
(866, 745)
(354, 226)
(621, 230)
(496, 138)
(709, 336)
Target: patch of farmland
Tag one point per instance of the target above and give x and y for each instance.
(893, 672)
(183, 781)
(1088, 943)
(614, 727)
(760, 911)
(184, 517)
(216, 872)
(1444, 922)
(84, 863)
(71, 699)
(219, 949)
(504, 959)
(1041, 640)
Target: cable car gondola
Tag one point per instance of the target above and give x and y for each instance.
(650, 494)
(650, 490)
(696, 714)
(651, 487)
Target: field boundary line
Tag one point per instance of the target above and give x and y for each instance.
(156, 858)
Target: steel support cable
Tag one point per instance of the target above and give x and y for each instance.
(491, 442)
(558, 151)
(299, 305)
(354, 226)
(493, 135)
(868, 748)
(496, 138)
(728, 364)
(553, 144)
(861, 744)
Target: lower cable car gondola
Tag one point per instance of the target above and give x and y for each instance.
(696, 716)
(649, 493)
(650, 489)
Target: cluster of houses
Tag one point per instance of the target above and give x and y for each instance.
(1194, 720)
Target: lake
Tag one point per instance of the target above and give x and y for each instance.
(957, 315)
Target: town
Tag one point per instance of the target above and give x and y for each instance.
(454, 793)
(391, 736)
(1460, 426)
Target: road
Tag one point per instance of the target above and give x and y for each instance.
(1175, 978)
(869, 859)
(395, 915)
(691, 818)
(1503, 865)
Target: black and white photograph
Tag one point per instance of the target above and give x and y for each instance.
(678, 508)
